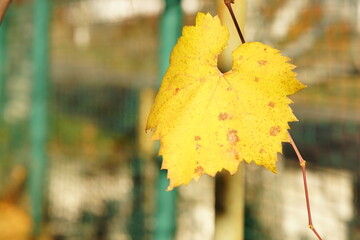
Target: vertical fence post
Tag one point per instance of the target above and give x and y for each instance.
(38, 121)
(145, 150)
(230, 190)
(3, 27)
(170, 30)
(137, 229)
(3, 57)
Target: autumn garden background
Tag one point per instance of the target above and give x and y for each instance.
(77, 78)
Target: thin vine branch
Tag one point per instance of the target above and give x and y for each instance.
(300, 158)
(302, 163)
(228, 5)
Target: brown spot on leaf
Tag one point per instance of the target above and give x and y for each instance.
(262, 150)
(271, 104)
(197, 146)
(197, 138)
(262, 62)
(275, 130)
(224, 116)
(232, 137)
(256, 79)
(265, 49)
(176, 91)
(199, 171)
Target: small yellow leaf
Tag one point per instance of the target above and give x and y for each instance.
(207, 120)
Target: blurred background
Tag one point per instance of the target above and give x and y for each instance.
(77, 78)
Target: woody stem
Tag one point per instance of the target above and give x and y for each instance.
(228, 5)
(303, 169)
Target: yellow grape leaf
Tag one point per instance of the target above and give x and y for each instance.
(207, 120)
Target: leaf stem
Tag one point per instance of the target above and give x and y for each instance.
(228, 5)
(303, 168)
